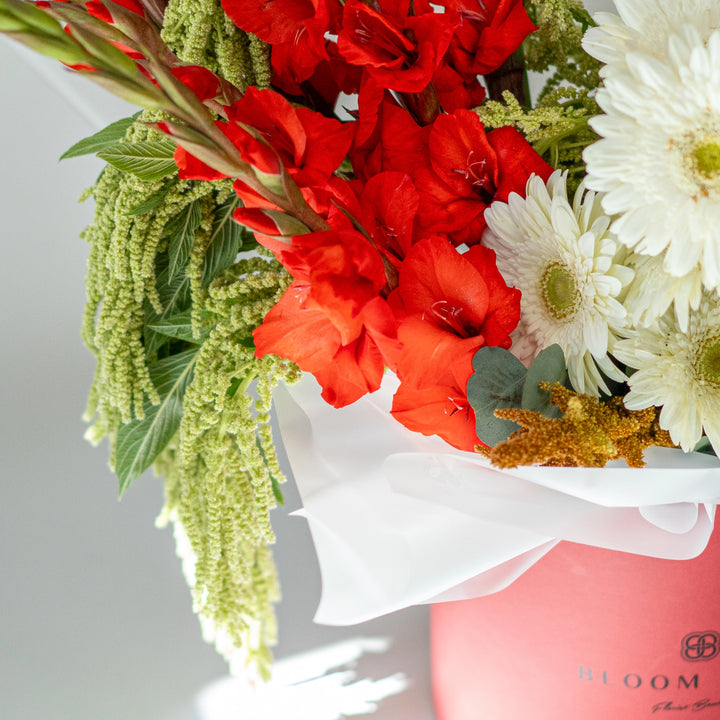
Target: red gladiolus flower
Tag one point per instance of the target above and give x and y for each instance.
(455, 92)
(490, 31)
(98, 10)
(273, 21)
(309, 145)
(441, 407)
(461, 296)
(203, 83)
(468, 170)
(397, 50)
(332, 321)
(389, 203)
(449, 305)
(295, 330)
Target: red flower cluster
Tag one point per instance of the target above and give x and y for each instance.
(384, 284)
(395, 44)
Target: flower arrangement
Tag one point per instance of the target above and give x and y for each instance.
(359, 191)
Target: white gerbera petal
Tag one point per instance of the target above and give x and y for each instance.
(658, 161)
(645, 26)
(653, 291)
(564, 261)
(680, 371)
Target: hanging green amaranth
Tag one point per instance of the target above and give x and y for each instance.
(222, 474)
(199, 32)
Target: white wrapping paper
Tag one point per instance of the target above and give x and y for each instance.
(400, 519)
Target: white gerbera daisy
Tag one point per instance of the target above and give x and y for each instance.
(659, 159)
(653, 291)
(679, 371)
(645, 26)
(566, 265)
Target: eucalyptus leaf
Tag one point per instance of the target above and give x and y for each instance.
(179, 327)
(105, 138)
(225, 242)
(548, 366)
(182, 231)
(497, 383)
(149, 160)
(139, 442)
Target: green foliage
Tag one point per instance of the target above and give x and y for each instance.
(221, 474)
(180, 327)
(170, 314)
(146, 160)
(181, 231)
(200, 33)
(556, 45)
(548, 367)
(139, 442)
(226, 240)
(557, 128)
(101, 140)
(497, 382)
(501, 381)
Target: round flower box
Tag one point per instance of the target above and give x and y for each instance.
(585, 634)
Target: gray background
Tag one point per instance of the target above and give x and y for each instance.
(96, 618)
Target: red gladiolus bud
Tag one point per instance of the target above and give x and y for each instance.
(270, 222)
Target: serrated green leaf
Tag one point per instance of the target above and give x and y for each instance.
(182, 231)
(225, 242)
(548, 366)
(174, 297)
(153, 201)
(149, 160)
(496, 383)
(105, 138)
(139, 442)
(180, 327)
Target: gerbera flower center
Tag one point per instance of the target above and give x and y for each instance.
(559, 291)
(709, 361)
(699, 157)
(707, 157)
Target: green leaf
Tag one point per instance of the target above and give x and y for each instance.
(548, 366)
(274, 481)
(181, 230)
(180, 327)
(174, 297)
(153, 201)
(105, 138)
(225, 242)
(496, 383)
(582, 16)
(139, 442)
(704, 446)
(149, 160)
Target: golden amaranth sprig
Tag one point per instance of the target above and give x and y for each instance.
(221, 474)
(590, 433)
